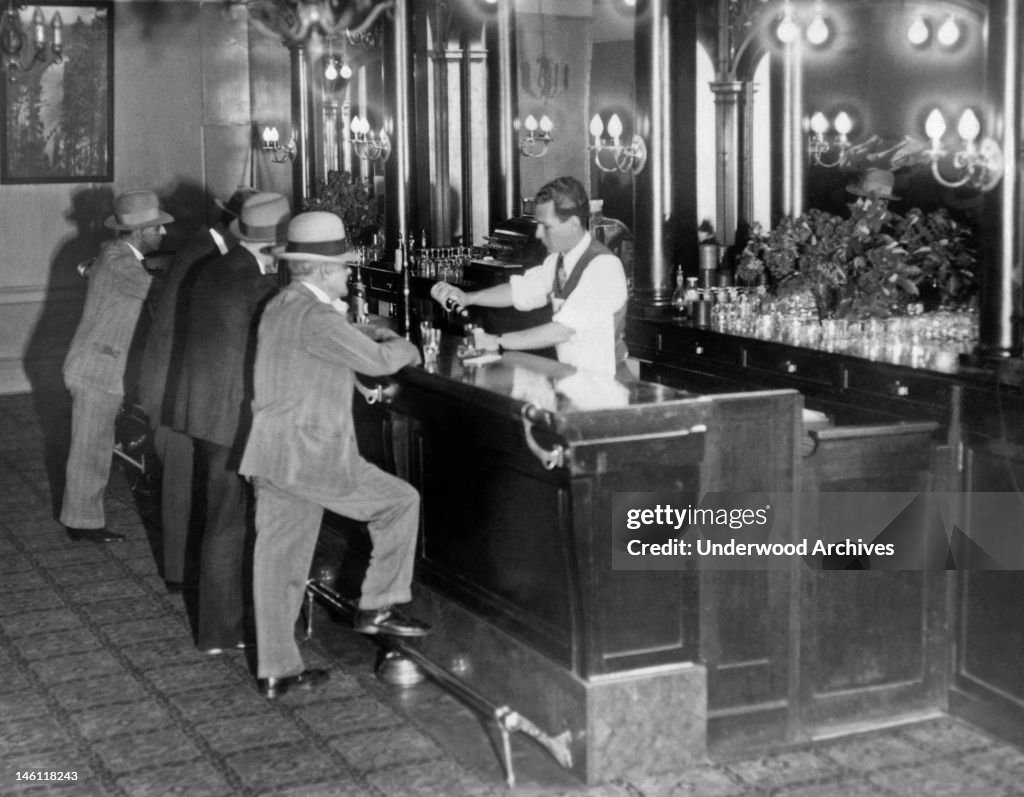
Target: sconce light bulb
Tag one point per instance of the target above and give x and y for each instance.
(39, 27)
(969, 127)
(817, 31)
(949, 32)
(596, 127)
(615, 127)
(346, 70)
(266, 135)
(331, 71)
(546, 125)
(917, 33)
(844, 124)
(629, 3)
(787, 30)
(819, 124)
(57, 26)
(530, 123)
(935, 126)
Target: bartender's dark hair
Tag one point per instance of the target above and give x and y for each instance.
(569, 198)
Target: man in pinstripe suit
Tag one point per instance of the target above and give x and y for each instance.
(302, 454)
(95, 365)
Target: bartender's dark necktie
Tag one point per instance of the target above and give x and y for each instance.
(560, 272)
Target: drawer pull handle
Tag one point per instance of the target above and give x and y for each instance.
(901, 390)
(698, 349)
(789, 367)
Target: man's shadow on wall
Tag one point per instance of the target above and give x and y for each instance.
(49, 342)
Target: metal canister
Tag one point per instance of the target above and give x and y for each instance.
(708, 263)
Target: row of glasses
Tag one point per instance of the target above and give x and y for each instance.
(925, 340)
(446, 263)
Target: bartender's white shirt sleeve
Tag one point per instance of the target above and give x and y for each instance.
(533, 289)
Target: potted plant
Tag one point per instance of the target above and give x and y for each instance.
(866, 265)
(943, 249)
(351, 199)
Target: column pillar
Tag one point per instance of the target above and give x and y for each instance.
(1003, 214)
(303, 124)
(665, 192)
(727, 94)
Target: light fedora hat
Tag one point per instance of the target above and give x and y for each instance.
(136, 209)
(874, 183)
(233, 204)
(316, 236)
(263, 218)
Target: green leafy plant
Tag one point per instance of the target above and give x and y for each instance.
(864, 265)
(349, 198)
(944, 251)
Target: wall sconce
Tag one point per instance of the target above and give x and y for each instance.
(819, 145)
(631, 158)
(337, 67)
(280, 153)
(948, 33)
(979, 165)
(365, 144)
(13, 38)
(817, 33)
(534, 144)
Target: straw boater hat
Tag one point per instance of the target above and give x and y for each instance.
(233, 206)
(134, 210)
(875, 184)
(317, 236)
(263, 218)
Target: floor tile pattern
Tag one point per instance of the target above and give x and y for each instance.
(101, 678)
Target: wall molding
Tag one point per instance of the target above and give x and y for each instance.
(40, 294)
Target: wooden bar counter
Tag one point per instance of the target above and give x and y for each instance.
(517, 462)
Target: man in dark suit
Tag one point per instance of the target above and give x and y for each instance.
(213, 404)
(303, 458)
(158, 383)
(95, 366)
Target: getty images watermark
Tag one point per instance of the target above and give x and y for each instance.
(818, 531)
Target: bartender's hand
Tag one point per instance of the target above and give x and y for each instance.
(445, 294)
(483, 341)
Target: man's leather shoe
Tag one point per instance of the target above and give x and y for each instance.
(388, 620)
(93, 535)
(308, 679)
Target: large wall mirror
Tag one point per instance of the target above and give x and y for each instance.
(872, 71)
(881, 70)
(354, 143)
(575, 61)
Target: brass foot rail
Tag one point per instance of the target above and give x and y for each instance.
(505, 718)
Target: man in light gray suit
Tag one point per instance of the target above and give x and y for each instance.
(302, 455)
(95, 365)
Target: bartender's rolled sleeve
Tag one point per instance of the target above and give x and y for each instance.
(533, 289)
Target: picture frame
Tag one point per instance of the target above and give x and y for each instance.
(58, 103)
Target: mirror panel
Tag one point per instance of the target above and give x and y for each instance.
(887, 84)
(576, 59)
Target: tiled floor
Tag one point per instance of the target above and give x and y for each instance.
(101, 679)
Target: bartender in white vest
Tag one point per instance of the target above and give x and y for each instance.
(581, 278)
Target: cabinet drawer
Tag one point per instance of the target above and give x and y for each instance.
(882, 382)
(695, 344)
(800, 365)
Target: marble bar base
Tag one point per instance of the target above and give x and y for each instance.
(641, 722)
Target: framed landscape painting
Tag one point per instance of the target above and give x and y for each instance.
(58, 106)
